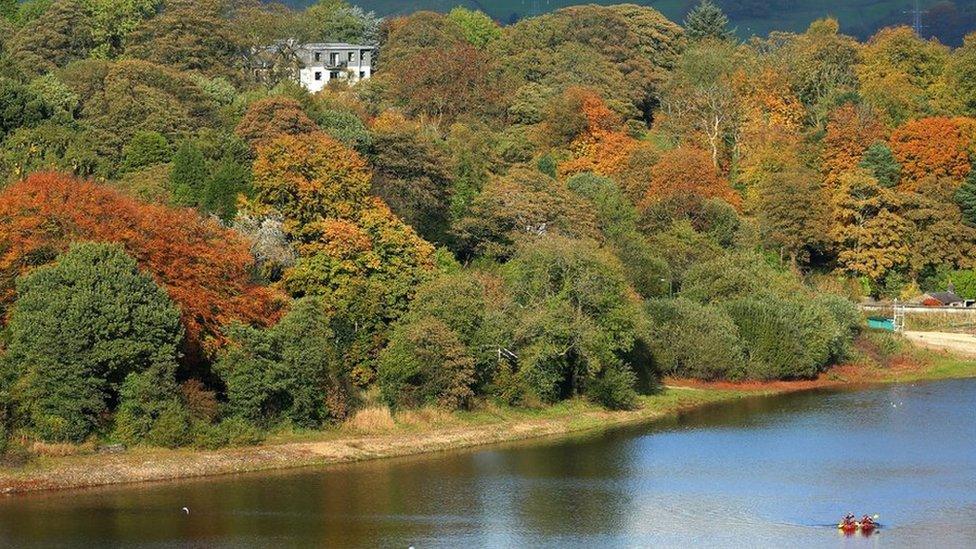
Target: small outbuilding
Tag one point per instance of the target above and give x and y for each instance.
(942, 299)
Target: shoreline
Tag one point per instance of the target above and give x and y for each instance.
(425, 432)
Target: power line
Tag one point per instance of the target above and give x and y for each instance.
(916, 14)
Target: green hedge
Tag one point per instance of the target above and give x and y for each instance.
(688, 339)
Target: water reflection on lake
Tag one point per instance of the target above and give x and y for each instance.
(770, 472)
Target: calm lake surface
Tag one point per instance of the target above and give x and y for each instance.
(772, 472)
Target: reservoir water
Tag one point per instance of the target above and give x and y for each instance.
(764, 472)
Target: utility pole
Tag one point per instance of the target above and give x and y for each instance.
(916, 14)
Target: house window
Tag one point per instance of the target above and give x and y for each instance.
(333, 75)
(362, 74)
(318, 56)
(334, 58)
(352, 56)
(318, 75)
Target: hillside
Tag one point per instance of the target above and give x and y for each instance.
(946, 20)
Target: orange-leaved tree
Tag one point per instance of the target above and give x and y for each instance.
(770, 107)
(269, 118)
(205, 268)
(601, 147)
(931, 147)
(851, 129)
(687, 174)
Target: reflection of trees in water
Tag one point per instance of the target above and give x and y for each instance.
(843, 406)
(570, 488)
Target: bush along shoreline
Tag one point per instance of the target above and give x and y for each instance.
(375, 433)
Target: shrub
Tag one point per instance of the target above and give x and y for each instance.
(509, 387)
(614, 388)
(574, 314)
(783, 339)
(849, 322)
(547, 165)
(646, 271)
(426, 363)
(78, 329)
(232, 431)
(200, 403)
(6, 404)
(151, 410)
(287, 372)
(692, 340)
(734, 275)
(882, 346)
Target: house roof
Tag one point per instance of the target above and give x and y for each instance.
(945, 297)
(335, 46)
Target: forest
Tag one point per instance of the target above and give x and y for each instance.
(196, 251)
(947, 20)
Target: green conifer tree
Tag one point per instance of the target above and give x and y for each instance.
(880, 162)
(189, 177)
(145, 149)
(229, 180)
(707, 21)
(79, 328)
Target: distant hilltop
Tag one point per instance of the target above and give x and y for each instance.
(946, 20)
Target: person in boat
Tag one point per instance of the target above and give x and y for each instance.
(867, 521)
(849, 520)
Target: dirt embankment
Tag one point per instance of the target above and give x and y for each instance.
(142, 465)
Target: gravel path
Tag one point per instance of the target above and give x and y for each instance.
(960, 344)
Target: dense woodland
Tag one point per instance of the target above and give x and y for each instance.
(194, 250)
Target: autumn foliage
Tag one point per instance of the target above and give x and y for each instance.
(770, 106)
(344, 235)
(204, 268)
(687, 173)
(931, 147)
(269, 118)
(851, 129)
(601, 148)
(309, 178)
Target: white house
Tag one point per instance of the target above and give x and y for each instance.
(321, 63)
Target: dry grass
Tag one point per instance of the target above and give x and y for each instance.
(51, 449)
(428, 416)
(376, 419)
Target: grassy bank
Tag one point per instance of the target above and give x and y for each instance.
(374, 433)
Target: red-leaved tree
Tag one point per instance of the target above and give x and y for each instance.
(205, 268)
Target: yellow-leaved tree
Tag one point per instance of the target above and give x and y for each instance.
(363, 260)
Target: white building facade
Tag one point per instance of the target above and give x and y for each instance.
(322, 63)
